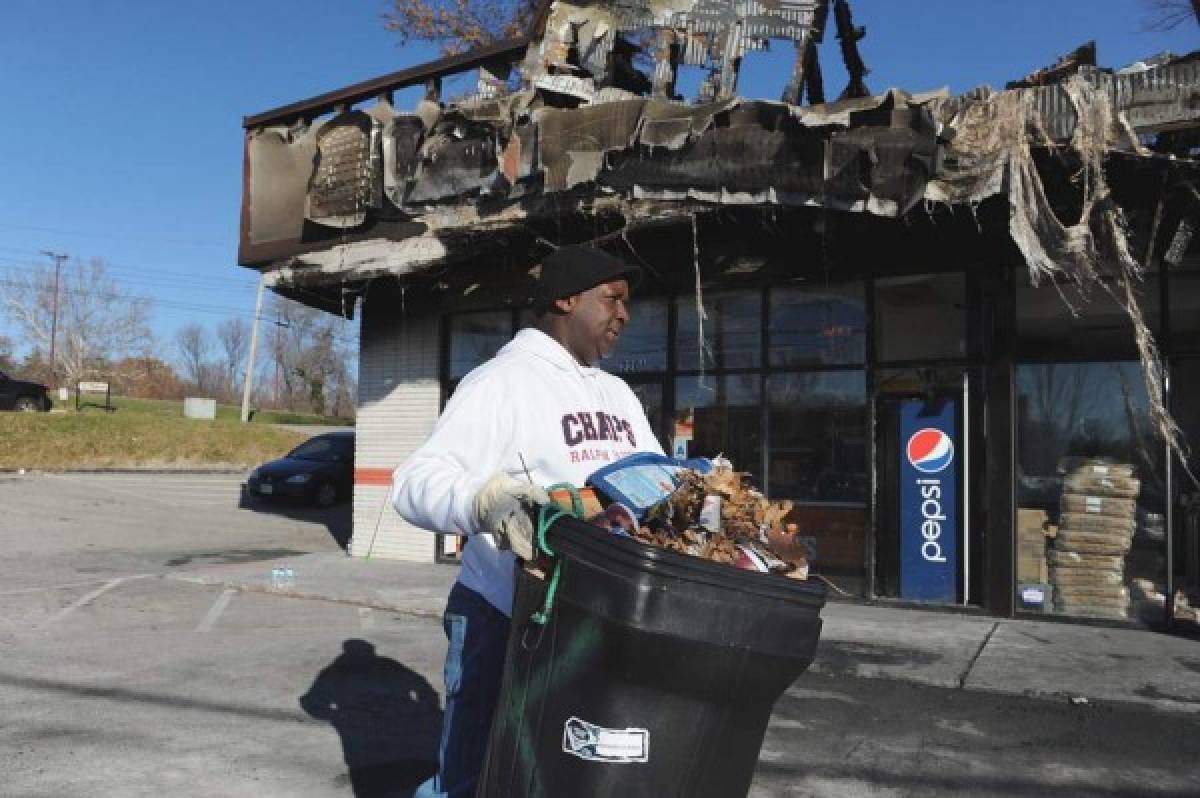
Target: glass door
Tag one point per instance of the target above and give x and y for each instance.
(1185, 537)
(923, 464)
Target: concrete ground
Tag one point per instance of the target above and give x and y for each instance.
(147, 653)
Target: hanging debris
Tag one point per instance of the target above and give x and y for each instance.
(992, 150)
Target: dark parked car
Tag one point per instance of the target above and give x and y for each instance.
(27, 397)
(320, 470)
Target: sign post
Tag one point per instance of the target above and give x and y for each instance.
(929, 518)
(94, 387)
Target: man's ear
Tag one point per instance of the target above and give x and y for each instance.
(566, 304)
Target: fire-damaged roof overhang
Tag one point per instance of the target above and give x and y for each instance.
(335, 195)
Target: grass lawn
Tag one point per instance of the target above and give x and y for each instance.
(143, 432)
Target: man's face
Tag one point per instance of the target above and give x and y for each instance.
(595, 319)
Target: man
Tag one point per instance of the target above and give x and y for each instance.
(536, 414)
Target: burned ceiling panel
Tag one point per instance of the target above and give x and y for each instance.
(579, 128)
(279, 165)
(346, 179)
(382, 166)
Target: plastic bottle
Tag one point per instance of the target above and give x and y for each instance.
(276, 578)
(289, 576)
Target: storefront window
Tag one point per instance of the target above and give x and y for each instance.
(1183, 298)
(1090, 532)
(651, 396)
(818, 439)
(922, 317)
(643, 343)
(476, 337)
(723, 413)
(1185, 312)
(817, 326)
(732, 331)
(1061, 321)
(817, 457)
(1185, 386)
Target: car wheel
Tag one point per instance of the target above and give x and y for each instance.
(27, 404)
(325, 495)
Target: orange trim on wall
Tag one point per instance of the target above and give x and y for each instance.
(373, 476)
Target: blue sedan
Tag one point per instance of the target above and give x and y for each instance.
(320, 471)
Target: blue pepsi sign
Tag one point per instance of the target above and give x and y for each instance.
(929, 527)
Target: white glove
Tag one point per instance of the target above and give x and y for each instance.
(502, 507)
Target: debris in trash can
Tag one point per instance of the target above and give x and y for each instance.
(718, 516)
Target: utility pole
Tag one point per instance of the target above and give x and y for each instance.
(58, 258)
(253, 348)
(278, 357)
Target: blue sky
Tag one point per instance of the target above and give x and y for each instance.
(121, 131)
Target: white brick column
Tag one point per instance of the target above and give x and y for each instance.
(398, 402)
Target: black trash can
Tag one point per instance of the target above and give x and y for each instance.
(654, 676)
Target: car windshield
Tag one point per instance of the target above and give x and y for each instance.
(321, 449)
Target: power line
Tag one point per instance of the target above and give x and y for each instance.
(145, 272)
(168, 303)
(58, 258)
(139, 236)
(151, 287)
(19, 270)
(193, 307)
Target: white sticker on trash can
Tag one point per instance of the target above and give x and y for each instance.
(598, 744)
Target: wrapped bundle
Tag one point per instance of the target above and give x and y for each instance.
(1096, 527)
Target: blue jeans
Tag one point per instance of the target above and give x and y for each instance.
(478, 635)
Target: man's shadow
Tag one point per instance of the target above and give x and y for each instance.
(387, 715)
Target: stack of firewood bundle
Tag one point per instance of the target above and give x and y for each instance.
(1096, 526)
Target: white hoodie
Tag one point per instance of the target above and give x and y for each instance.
(531, 406)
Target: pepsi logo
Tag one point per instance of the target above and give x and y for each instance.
(930, 450)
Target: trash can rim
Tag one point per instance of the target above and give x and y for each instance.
(570, 536)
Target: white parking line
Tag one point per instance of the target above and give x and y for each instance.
(87, 599)
(48, 588)
(159, 487)
(108, 488)
(214, 612)
(163, 490)
(366, 619)
(166, 482)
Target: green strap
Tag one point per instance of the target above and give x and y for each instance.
(576, 499)
(547, 515)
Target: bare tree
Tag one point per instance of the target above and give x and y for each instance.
(458, 25)
(146, 377)
(1163, 15)
(234, 336)
(192, 342)
(96, 322)
(6, 354)
(309, 356)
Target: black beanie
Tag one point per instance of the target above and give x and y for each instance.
(576, 268)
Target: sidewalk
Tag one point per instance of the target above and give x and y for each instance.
(1058, 661)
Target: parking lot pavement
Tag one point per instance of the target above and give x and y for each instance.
(117, 680)
(175, 490)
(146, 686)
(65, 528)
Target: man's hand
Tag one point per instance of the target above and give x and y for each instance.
(502, 508)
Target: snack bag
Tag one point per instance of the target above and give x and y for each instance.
(642, 480)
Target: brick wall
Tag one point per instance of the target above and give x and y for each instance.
(399, 400)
